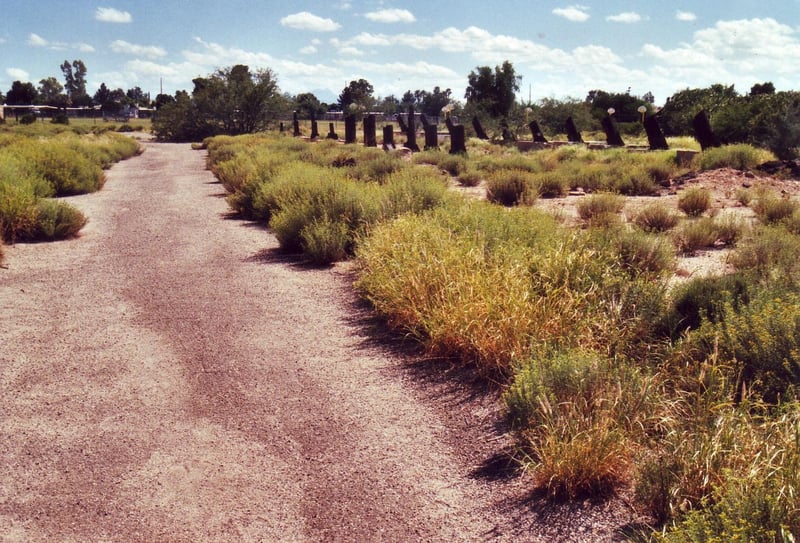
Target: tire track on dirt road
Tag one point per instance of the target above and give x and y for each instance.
(167, 376)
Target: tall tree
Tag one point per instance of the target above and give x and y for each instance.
(307, 104)
(51, 92)
(230, 101)
(493, 91)
(21, 94)
(75, 82)
(359, 93)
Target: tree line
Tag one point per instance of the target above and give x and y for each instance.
(238, 100)
(72, 93)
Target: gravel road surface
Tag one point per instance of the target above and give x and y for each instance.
(169, 376)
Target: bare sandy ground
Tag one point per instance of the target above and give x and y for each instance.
(169, 376)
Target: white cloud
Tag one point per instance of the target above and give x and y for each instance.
(308, 50)
(111, 15)
(308, 21)
(391, 16)
(685, 16)
(625, 17)
(18, 74)
(37, 41)
(150, 51)
(577, 14)
(739, 52)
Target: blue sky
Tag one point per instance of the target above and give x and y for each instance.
(561, 49)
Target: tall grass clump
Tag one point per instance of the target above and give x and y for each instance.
(56, 220)
(579, 414)
(772, 209)
(511, 187)
(708, 233)
(740, 156)
(655, 218)
(771, 256)
(694, 201)
(601, 208)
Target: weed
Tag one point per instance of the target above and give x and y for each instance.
(469, 178)
(739, 156)
(511, 187)
(655, 218)
(596, 209)
(694, 201)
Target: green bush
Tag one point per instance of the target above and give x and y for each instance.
(511, 187)
(551, 184)
(771, 255)
(694, 201)
(643, 253)
(469, 178)
(655, 218)
(703, 298)
(326, 241)
(739, 156)
(597, 207)
(771, 209)
(56, 220)
(708, 233)
(576, 412)
(28, 118)
(763, 338)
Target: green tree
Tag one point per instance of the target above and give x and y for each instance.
(551, 114)
(492, 92)
(51, 92)
(230, 101)
(75, 83)
(359, 93)
(677, 113)
(762, 88)
(21, 94)
(307, 103)
(625, 105)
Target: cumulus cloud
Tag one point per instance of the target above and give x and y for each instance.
(111, 15)
(577, 14)
(391, 16)
(35, 40)
(308, 50)
(308, 21)
(18, 74)
(685, 16)
(150, 51)
(739, 52)
(625, 17)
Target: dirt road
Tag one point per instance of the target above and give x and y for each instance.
(168, 376)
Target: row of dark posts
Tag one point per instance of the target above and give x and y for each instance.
(457, 133)
(655, 137)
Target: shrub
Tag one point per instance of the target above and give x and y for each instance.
(707, 232)
(763, 338)
(576, 412)
(455, 165)
(655, 218)
(60, 118)
(596, 208)
(551, 184)
(694, 201)
(56, 220)
(771, 209)
(770, 255)
(644, 253)
(27, 118)
(469, 178)
(18, 211)
(511, 187)
(739, 156)
(326, 241)
(703, 298)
